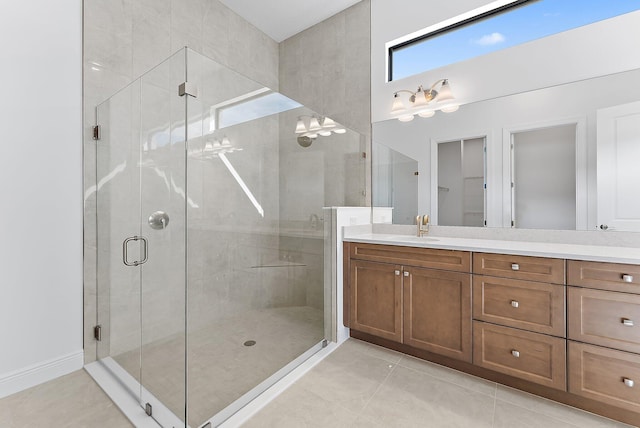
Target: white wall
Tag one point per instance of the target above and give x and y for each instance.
(589, 51)
(41, 188)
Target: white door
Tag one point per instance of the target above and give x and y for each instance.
(619, 167)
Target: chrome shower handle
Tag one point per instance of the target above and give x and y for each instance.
(125, 250)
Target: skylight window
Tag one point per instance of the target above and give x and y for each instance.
(510, 25)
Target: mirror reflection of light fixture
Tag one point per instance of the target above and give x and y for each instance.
(424, 102)
(214, 148)
(309, 128)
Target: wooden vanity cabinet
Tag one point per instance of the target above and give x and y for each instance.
(507, 318)
(376, 299)
(437, 311)
(410, 303)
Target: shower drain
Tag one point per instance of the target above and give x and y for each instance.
(249, 343)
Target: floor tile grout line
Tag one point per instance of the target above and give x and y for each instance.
(474, 378)
(393, 368)
(495, 404)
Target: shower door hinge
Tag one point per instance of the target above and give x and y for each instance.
(187, 88)
(325, 343)
(364, 155)
(148, 409)
(97, 333)
(96, 132)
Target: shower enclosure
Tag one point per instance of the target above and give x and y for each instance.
(212, 277)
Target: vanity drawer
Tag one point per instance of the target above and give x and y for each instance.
(528, 305)
(530, 356)
(519, 267)
(459, 261)
(605, 276)
(605, 375)
(604, 318)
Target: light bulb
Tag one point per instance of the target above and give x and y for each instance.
(324, 133)
(406, 118)
(328, 123)
(340, 130)
(301, 128)
(314, 125)
(445, 94)
(420, 99)
(426, 113)
(398, 105)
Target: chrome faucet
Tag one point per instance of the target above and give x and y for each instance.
(422, 221)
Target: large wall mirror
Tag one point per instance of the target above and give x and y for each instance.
(562, 157)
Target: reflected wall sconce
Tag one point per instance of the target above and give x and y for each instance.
(423, 102)
(217, 147)
(311, 127)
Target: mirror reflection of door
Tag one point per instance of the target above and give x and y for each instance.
(618, 171)
(395, 185)
(543, 176)
(461, 183)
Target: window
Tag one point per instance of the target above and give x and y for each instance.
(515, 23)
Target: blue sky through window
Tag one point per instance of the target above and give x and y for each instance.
(529, 22)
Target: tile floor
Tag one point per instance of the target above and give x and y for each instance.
(358, 385)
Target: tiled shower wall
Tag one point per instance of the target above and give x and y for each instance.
(125, 38)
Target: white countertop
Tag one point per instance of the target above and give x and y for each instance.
(538, 249)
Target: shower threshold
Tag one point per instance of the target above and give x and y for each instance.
(120, 386)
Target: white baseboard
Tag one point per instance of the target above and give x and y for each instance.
(36, 374)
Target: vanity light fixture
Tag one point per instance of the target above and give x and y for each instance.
(424, 102)
(309, 128)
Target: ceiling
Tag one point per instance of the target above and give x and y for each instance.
(281, 19)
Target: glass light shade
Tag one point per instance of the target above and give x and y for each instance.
(328, 123)
(398, 105)
(426, 113)
(208, 146)
(301, 128)
(324, 133)
(406, 118)
(216, 143)
(314, 125)
(450, 108)
(226, 142)
(445, 94)
(420, 98)
(340, 130)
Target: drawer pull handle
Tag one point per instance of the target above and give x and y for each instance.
(515, 266)
(627, 322)
(406, 273)
(515, 303)
(628, 382)
(397, 273)
(627, 278)
(515, 353)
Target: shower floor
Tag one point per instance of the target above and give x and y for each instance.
(220, 367)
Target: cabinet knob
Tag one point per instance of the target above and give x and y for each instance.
(627, 322)
(515, 303)
(627, 278)
(515, 266)
(397, 273)
(628, 382)
(406, 273)
(515, 353)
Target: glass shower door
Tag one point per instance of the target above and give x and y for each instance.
(141, 239)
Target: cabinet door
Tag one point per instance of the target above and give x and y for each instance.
(376, 299)
(437, 311)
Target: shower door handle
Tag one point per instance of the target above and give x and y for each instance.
(125, 248)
